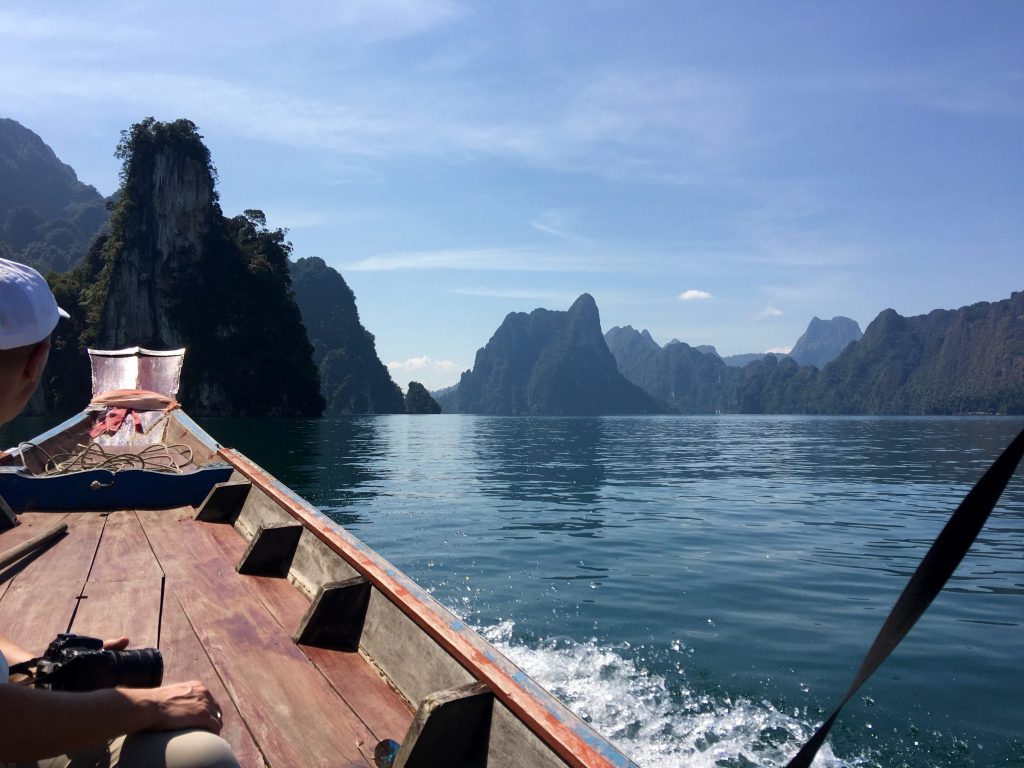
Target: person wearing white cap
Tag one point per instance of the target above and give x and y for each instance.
(28, 315)
(173, 726)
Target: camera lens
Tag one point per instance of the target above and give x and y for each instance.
(141, 668)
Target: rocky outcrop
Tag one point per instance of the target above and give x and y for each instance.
(824, 340)
(549, 363)
(418, 400)
(162, 226)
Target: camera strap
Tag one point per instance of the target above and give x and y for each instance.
(27, 668)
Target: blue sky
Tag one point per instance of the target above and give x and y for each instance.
(715, 172)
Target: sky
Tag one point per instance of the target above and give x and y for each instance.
(714, 172)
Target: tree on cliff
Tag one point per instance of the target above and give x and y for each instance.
(175, 272)
(418, 400)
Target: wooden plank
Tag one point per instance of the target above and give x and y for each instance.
(110, 609)
(450, 728)
(33, 546)
(41, 599)
(292, 712)
(185, 659)
(382, 709)
(124, 553)
(30, 525)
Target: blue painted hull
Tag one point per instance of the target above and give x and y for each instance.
(101, 490)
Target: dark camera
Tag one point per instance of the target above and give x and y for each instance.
(79, 663)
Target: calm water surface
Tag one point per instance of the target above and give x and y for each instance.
(701, 589)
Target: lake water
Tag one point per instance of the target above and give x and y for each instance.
(701, 589)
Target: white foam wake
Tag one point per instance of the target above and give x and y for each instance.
(652, 724)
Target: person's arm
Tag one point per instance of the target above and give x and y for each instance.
(13, 652)
(37, 723)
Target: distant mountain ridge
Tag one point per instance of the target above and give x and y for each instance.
(946, 362)
(687, 379)
(47, 216)
(548, 363)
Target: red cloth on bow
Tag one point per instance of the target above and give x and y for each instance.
(121, 402)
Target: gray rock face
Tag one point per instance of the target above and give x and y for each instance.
(824, 340)
(162, 245)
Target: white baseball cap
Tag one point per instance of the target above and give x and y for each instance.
(28, 311)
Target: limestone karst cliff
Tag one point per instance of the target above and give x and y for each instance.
(549, 363)
(175, 272)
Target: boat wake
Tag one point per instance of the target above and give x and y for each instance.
(650, 722)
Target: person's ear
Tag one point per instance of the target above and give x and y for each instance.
(36, 363)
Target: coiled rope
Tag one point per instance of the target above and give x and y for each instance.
(156, 457)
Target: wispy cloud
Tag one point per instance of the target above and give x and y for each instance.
(768, 312)
(694, 295)
(24, 27)
(483, 259)
(558, 223)
(778, 351)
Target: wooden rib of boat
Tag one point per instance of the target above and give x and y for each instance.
(314, 644)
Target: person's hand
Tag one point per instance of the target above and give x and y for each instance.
(182, 705)
(118, 644)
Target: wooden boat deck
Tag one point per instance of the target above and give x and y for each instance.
(164, 580)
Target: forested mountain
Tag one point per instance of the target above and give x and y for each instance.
(47, 216)
(824, 340)
(352, 377)
(947, 362)
(548, 363)
(174, 271)
(687, 379)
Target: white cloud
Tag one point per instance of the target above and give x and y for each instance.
(778, 351)
(694, 295)
(769, 311)
(432, 374)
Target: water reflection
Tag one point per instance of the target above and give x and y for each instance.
(329, 461)
(537, 459)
